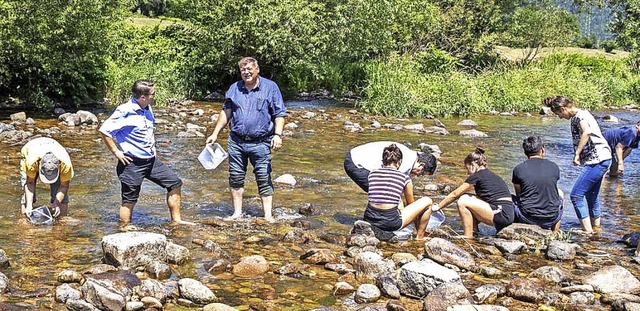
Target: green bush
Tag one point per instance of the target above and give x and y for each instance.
(586, 42)
(608, 45)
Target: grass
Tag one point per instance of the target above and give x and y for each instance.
(514, 54)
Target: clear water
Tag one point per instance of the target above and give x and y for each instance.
(314, 155)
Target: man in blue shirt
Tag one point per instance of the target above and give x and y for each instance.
(621, 140)
(128, 134)
(255, 112)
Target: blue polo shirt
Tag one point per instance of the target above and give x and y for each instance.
(253, 112)
(132, 128)
(626, 135)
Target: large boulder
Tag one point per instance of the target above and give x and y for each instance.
(446, 295)
(134, 249)
(104, 295)
(419, 278)
(529, 290)
(87, 117)
(195, 291)
(445, 252)
(151, 288)
(559, 250)
(523, 232)
(369, 266)
(613, 279)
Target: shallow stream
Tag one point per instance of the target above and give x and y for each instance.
(314, 155)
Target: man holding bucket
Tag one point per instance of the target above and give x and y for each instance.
(255, 110)
(45, 158)
(128, 134)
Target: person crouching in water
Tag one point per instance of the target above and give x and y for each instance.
(492, 204)
(386, 186)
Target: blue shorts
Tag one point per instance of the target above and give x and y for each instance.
(383, 219)
(543, 223)
(132, 175)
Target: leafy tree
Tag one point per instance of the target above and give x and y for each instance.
(533, 27)
(54, 50)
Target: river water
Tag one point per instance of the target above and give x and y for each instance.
(314, 155)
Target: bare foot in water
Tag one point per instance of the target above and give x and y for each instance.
(182, 222)
(270, 219)
(232, 217)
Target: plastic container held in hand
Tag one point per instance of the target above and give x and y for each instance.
(212, 155)
(40, 216)
(436, 220)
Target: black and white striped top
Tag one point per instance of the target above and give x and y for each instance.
(386, 185)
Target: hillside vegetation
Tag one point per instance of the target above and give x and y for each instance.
(424, 57)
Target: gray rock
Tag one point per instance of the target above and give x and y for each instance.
(362, 227)
(18, 116)
(528, 290)
(58, 111)
(582, 298)
(308, 115)
(69, 276)
(133, 249)
(87, 117)
(342, 288)
(577, 288)
(446, 295)
(445, 252)
(30, 121)
(291, 126)
(318, 256)
(217, 266)
(218, 307)
(367, 293)
(376, 125)
(215, 249)
(298, 235)
(613, 279)
(473, 133)
(477, 308)
(435, 130)
(177, 254)
(362, 240)
(65, 292)
(558, 250)
(195, 291)
(402, 258)
(158, 270)
(467, 123)
(70, 119)
(151, 303)
(134, 305)
(491, 272)
(510, 247)
(292, 268)
(4, 283)
(388, 287)
(414, 127)
(523, 232)
(419, 278)
(250, 266)
(549, 274)
(4, 259)
(197, 112)
(369, 266)
(79, 305)
(152, 288)
(285, 179)
(100, 268)
(309, 209)
(487, 294)
(6, 127)
(341, 268)
(103, 294)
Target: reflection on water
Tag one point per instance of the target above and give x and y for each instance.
(314, 155)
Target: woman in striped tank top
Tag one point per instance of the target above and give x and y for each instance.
(386, 187)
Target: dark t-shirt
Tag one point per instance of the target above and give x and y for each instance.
(538, 180)
(626, 135)
(488, 186)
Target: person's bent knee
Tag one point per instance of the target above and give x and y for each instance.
(464, 200)
(178, 185)
(236, 181)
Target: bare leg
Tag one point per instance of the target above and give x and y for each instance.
(473, 210)
(236, 198)
(126, 209)
(415, 212)
(595, 224)
(267, 205)
(174, 202)
(64, 209)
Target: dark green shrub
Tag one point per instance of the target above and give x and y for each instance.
(586, 42)
(608, 45)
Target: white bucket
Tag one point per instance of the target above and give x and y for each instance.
(212, 155)
(436, 220)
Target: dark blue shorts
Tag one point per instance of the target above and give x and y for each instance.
(543, 223)
(383, 219)
(132, 175)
